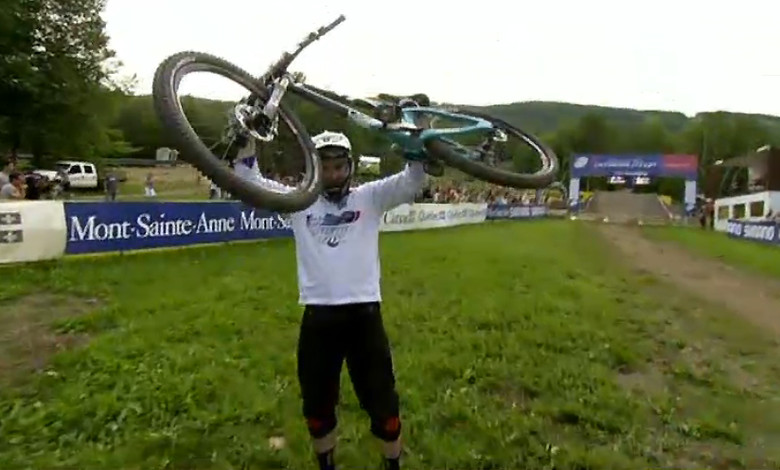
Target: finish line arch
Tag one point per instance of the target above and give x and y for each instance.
(650, 165)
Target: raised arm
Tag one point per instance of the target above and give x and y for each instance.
(245, 166)
(397, 189)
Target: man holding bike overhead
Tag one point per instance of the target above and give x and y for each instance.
(337, 251)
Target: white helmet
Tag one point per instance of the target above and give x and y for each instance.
(332, 139)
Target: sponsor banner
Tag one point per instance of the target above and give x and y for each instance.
(122, 226)
(424, 216)
(766, 232)
(654, 165)
(31, 231)
(557, 212)
(40, 230)
(515, 211)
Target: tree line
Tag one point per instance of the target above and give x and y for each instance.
(65, 98)
(59, 80)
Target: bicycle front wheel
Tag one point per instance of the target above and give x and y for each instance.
(169, 109)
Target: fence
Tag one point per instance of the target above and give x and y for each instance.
(43, 230)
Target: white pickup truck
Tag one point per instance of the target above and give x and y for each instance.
(80, 174)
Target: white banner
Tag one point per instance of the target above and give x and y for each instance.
(423, 216)
(31, 231)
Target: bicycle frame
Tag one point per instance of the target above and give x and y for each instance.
(404, 133)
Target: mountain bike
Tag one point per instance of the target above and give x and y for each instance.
(407, 123)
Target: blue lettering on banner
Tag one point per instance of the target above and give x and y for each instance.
(121, 226)
(497, 211)
(653, 165)
(767, 232)
(515, 211)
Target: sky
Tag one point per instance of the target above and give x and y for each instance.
(681, 55)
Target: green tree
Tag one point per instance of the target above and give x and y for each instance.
(652, 136)
(60, 96)
(17, 88)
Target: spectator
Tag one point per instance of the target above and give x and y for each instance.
(34, 186)
(149, 186)
(112, 185)
(5, 174)
(14, 189)
(64, 180)
(215, 192)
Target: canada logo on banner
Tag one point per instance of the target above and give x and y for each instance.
(581, 162)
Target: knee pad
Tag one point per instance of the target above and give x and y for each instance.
(320, 426)
(388, 429)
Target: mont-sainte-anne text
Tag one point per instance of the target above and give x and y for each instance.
(152, 226)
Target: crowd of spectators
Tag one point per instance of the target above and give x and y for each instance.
(450, 192)
(19, 184)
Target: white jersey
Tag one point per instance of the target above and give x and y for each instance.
(337, 245)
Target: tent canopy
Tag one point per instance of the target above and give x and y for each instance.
(754, 158)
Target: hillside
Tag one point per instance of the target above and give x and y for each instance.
(547, 116)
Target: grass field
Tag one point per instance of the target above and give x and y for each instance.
(755, 256)
(517, 346)
(171, 183)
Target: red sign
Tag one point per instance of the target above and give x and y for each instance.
(680, 162)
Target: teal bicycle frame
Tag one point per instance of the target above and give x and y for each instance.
(404, 133)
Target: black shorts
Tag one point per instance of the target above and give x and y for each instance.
(328, 336)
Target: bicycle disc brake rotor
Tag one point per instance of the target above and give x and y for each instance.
(251, 120)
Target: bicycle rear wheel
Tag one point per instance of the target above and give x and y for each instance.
(169, 109)
(474, 160)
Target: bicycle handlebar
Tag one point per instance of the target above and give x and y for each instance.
(287, 57)
(313, 36)
(280, 66)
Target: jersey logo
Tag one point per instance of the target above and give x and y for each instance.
(332, 229)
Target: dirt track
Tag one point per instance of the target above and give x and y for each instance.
(755, 298)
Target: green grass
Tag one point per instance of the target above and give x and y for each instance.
(517, 345)
(136, 193)
(755, 256)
